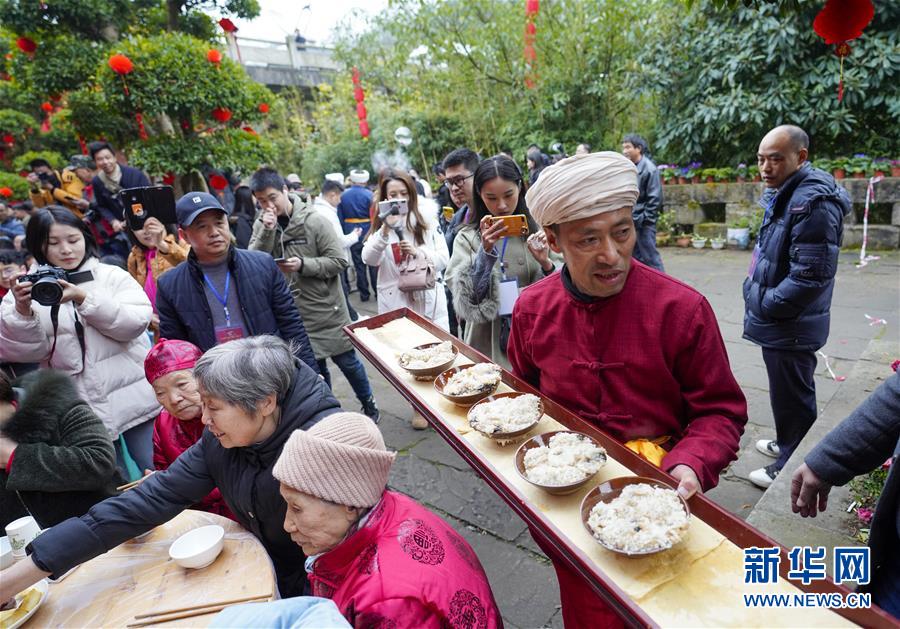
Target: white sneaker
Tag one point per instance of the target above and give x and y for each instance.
(764, 476)
(769, 447)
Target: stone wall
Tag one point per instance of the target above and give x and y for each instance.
(740, 200)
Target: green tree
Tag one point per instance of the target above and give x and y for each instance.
(729, 76)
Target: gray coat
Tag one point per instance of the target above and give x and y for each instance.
(316, 287)
(858, 445)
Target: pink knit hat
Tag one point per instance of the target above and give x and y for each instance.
(341, 459)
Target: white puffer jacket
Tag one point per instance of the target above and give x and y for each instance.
(115, 316)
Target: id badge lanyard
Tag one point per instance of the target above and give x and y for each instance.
(509, 288)
(502, 263)
(223, 299)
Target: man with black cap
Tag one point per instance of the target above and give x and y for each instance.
(222, 293)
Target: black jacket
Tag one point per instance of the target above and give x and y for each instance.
(859, 444)
(650, 200)
(65, 462)
(243, 475)
(266, 303)
(787, 296)
(107, 202)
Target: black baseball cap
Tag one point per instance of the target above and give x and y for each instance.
(191, 205)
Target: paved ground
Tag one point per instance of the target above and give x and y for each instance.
(523, 581)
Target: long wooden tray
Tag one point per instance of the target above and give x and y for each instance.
(692, 586)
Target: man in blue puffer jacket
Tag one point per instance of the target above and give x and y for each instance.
(787, 294)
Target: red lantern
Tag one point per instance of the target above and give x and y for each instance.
(227, 25)
(358, 94)
(264, 108)
(120, 64)
(142, 132)
(168, 179)
(361, 112)
(218, 182)
(250, 130)
(530, 29)
(9, 138)
(26, 45)
(532, 7)
(214, 56)
(843, 20)
(530, 53)
(46, 106)
(222, 114)
(364, 128)
(82, 145)
(6, 192)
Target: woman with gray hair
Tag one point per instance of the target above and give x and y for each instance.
(255, 395)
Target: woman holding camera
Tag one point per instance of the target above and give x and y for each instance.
(489, 265)
(88, 320)
(399, 232)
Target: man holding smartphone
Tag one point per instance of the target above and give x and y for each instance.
(312, 258)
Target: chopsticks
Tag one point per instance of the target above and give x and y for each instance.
(178, 613)
(134, 483)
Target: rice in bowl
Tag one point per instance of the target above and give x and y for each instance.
(641, 519)
(424, 358)
(476, 379)
(567, 458)
(506, 414)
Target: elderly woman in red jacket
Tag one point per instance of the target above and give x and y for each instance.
(169, 369)
(384, 559)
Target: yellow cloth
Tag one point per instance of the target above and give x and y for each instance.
(650, 450)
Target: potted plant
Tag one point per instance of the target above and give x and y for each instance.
(692, 172)
(707, 175)
(664, 228)
(738, 233)
(668, 173)
(718, 243)
(895, 168)
(740, 172)
(683, 240)
(838, 167)
(698, 241)
(881, 166)
(822, 164)
(858, 165)
(723, 174)
(753, 173)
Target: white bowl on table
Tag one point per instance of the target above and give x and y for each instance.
(198, 548)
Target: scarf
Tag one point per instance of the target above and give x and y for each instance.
(112, 182)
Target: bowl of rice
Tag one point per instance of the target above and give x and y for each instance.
(424, 362)
(559, 462)
(635, 516)
(506, 415)
(466, 385)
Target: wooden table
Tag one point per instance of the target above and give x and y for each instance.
(138, 577)
(697, 583)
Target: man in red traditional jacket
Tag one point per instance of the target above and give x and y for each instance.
(631, 349)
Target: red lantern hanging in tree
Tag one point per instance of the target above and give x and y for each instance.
(82, 145)
(364, 130)
(264, 108)
(6, 191)
(222, 114)
(840, 21)
(528, 50)
(227, 25)
(142, 132)
(250, 130)
(214, 56)
(168, 179)
(46, 106)
(9, 138)
(121, 65)
(359, 96)
(26, 45)
(218, 182)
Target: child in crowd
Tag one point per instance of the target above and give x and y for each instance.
(169, 368)
(156, 250)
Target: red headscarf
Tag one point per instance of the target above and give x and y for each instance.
(168, 356)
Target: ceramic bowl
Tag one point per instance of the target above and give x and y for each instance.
(461, 400)
(499, 436)
(6, 556)
(429, 373)
(198, 548)
(544, 440)
(609, 491)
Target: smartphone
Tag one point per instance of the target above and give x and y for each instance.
(280, 260)
(393, 207)
(516, 224)
(142, 203)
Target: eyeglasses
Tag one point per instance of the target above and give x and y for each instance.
(457, 182)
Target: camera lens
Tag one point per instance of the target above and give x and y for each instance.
(47, 291)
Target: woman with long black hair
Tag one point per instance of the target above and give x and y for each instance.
(95, 332)
(487, 259)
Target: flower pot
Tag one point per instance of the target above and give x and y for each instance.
(662, 239)
(683, 241)
(698, 243)
(741, 179)
(757, 178)
(895, 171)
(739, 237)
(718, 243)
(879, 173)
(838, 173)
(710, 179)
(858, 175)
(695, 179)
(682, 180)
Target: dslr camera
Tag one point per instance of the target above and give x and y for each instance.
(392, 207)
(47, 290)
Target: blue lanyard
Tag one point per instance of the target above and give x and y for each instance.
(222, 299)
(502, 254)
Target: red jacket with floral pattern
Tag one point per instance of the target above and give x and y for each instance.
(406, 567)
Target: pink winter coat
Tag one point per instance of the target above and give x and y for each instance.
(406, 567)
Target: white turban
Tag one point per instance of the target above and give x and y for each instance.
(359, 176)
(582, 186)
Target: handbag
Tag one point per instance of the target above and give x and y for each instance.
(416, 273)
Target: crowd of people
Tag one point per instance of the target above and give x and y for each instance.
(195, 355)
